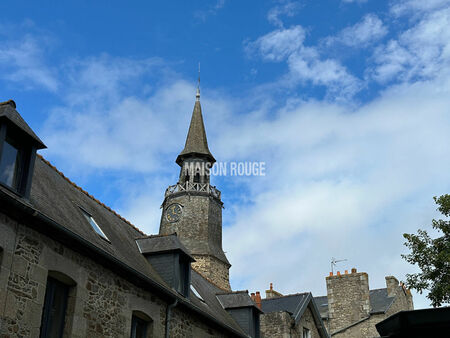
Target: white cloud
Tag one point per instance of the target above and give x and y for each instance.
(305, 63)
(417, 7)
(423, 51)
(22, 61)
(285, 8)
(369, 30)
(211, 10)
(352, 1)
(279, 44)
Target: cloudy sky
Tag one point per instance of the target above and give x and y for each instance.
(346, 101)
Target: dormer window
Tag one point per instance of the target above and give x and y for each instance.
(11, 164)
(170, 259)
(94, 224)
(18, 145)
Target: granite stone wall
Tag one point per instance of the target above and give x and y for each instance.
(275, 324)
(348, 299)
(356, 294)
(281, 325)
(213, 269)
(100, 303)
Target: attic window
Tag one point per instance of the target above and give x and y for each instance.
(10, 164)
(94, 224)
(194, 290)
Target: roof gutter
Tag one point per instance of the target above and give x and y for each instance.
(26, 211)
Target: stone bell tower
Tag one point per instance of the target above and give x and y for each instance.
(193, 209)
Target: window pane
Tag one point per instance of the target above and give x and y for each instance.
(9, 165)
(138, 328)
(54, 312)
(94, 224)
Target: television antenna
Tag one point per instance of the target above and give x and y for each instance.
(333, 263)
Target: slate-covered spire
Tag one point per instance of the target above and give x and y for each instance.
(196, 142)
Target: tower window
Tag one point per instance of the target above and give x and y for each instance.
(11, 164)
(197, 178)
(54, 312)
(94, 224)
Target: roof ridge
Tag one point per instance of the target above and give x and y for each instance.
(290, 295)
(9, 102)
(378, 289)
(92, 197)
(209, 280)
(232, 292)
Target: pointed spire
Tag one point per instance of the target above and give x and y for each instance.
(196, 142)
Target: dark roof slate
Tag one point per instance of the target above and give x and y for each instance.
(210, 302)
(161, 243)
(9, 112)
(236, 299)
(379, 300)
(288, 303)
(296, 306)
(196, 142)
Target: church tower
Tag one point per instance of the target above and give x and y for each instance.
(193, 209)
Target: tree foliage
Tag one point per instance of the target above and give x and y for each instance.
(432, 257)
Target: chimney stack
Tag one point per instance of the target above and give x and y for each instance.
(258, 299)
(271, 293)
(347, 293)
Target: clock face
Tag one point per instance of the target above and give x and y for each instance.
(173, 212)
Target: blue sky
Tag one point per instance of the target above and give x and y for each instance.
(347, 102)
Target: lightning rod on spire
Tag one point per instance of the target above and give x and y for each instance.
(198, 85)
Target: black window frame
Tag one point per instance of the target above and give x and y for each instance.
(27, 155)
(53, 286)
(135, 320)
(184, 266)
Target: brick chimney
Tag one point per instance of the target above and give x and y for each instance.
(271, 293)
(258, 299)
(392, 285)
(348, 298)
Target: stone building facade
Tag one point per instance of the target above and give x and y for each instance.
(291, 316)
(72, 267)
(351, 309)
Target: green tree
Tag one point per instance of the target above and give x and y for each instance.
(432, 256)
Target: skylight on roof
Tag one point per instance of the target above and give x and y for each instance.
(196, 293)
(94, 224)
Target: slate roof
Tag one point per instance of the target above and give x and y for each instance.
(9, 112)
(196, 142)
(236, 299)
(379, 302)
(210, 302)
(55, 198)
(287, 303)
(161, 243)
(295, 305)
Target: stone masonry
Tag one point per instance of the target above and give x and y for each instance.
(200, 230)
(349, 305)
(348, 299)
(281, 325)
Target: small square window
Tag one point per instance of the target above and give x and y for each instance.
(195, 292)
(93, 224)
(10, 164)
